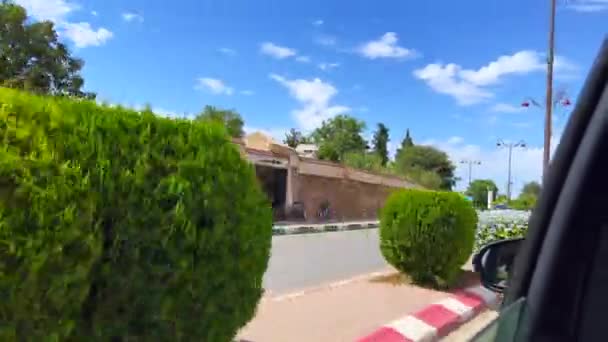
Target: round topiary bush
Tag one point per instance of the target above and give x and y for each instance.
(119, 225)
(427, 235)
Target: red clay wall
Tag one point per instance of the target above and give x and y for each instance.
(349, 200)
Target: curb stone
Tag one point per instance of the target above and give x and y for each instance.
(436, 320)
(321, 228)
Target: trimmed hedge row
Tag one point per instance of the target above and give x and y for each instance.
(121, 225)
(427, 235)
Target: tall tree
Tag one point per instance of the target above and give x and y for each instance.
(338, 136)
(380, 143)
(427, 158)
(33, 59)
(531, 188)
(293, 138)
(230, 118)
(406, 142)
(478, 190)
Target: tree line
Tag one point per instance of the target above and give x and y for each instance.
(479, 188)
(340, 139)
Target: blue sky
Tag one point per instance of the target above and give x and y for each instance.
(453, 72)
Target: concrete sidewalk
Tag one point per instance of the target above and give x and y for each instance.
(339, 313)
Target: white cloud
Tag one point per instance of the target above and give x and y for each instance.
(444, 79)
(385, 47)
(526, 163)
(521, 62)
(318, 22)
(247, 92)
(303, 59)
(282, 52)
(522, 124)
(214, 85)
(227, 51)
(132, 16)
(588, 6)
(565, 69)
(470, 86)
(58, 11)
(314, 96)
(53, 10)
(326, 40)
(506, 108)
(455, 140)
(328, 66)
(564, 64)
(277, 51)
(83, 35)
(94, 13)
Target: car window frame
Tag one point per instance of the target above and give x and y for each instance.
(551, 221)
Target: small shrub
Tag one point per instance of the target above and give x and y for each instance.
(496, 225)
(427, 235)
(117, 225)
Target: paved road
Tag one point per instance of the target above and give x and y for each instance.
(301, 261)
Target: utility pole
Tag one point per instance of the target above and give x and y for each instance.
(549, 95)
(470, 163)
(510, 146)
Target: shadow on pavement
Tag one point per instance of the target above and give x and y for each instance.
(466, 279)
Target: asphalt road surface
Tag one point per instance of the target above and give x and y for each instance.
(307, 260)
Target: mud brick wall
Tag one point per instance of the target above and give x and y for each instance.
(348, 199)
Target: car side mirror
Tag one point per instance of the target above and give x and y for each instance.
(494, 263)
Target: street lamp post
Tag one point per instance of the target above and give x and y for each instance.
(510, 146)
(560, 99)
(549, 95)
(470, 163)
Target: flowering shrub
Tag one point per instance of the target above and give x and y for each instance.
(496, 225)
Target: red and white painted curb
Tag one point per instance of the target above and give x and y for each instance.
(436, 320)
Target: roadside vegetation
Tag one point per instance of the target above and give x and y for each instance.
(117, 224)
(340, 139)
(428, 235)
(496, 225)
(121, 225)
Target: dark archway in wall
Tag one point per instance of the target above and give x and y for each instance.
(274, 184)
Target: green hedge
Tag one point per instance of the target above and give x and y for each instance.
(121, 225)
(427, 235)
